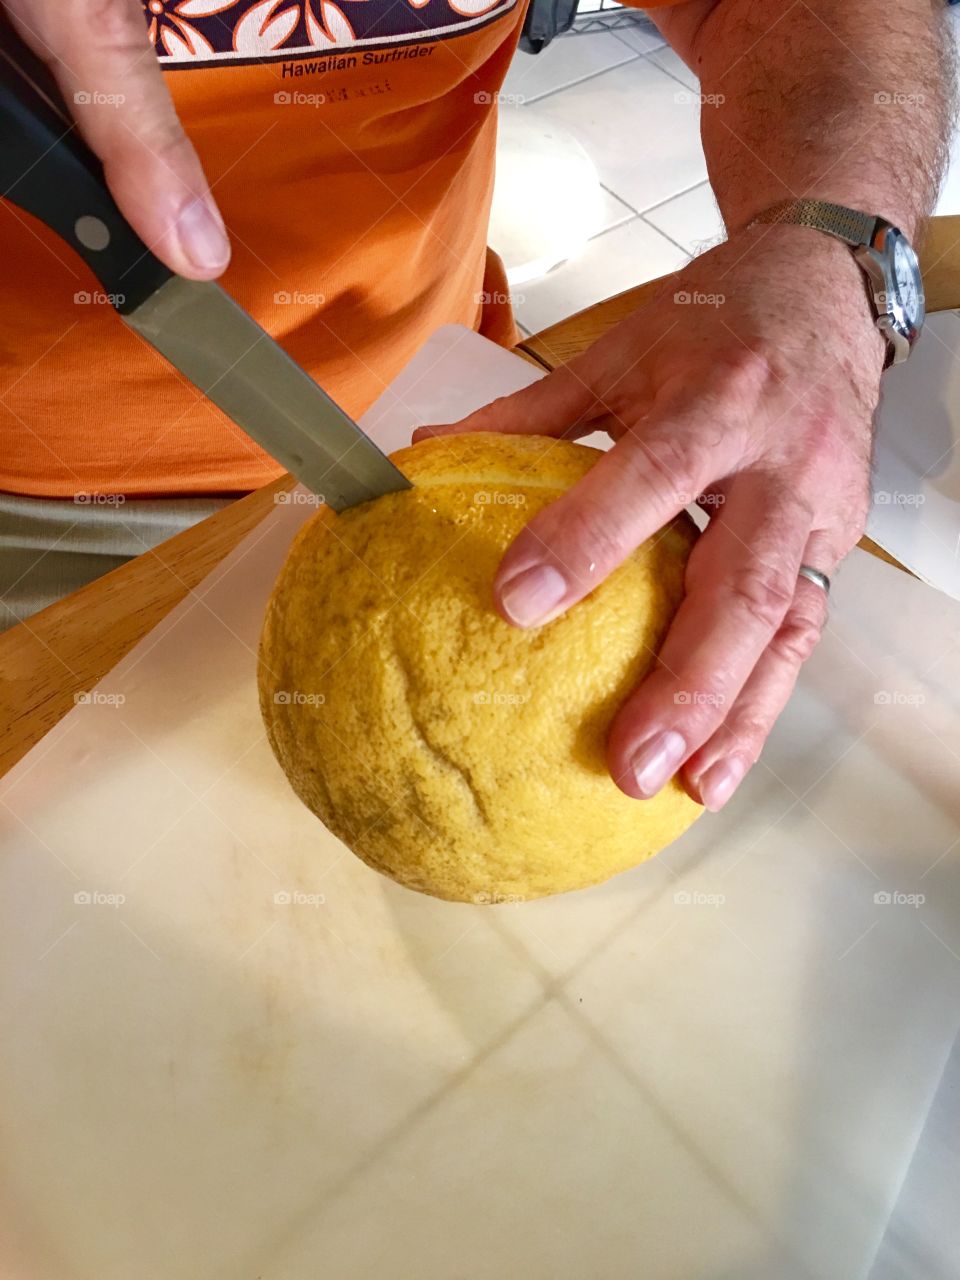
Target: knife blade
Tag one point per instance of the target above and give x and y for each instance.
(266, 393)
(48, 170)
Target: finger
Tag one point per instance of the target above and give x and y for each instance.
(570, 546)
(563, 404)
(714, 772)
(741, 580)
(113, 86)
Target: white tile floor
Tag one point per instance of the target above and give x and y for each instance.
(624, 96)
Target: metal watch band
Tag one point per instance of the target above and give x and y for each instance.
(835, 219)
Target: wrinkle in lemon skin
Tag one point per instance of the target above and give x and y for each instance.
(461, 756)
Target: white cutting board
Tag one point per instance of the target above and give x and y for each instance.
(247, 1055)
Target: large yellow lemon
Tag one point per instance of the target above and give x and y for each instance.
(456, 753)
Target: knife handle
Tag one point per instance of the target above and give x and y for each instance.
(49, 171)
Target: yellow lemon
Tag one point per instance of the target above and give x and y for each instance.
(456, 753)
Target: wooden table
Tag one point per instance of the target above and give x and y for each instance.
(71, 645)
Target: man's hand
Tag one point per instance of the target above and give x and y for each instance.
(757, 390)
(752, 381)
(108, 73)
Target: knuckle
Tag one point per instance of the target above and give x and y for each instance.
(745, 368)
(748, 735)
(665, 463)
(588, 534)
(761, 594)
(796, 639)
(117, 23)
(163, 140)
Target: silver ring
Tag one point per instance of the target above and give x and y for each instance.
(816, 577)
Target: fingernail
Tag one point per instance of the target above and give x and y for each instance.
(532, 596)
(202, 236)
(720, 782)
(657, 761)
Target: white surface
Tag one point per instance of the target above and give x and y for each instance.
(628, 255)
(915, 513)
(922, 1240)
(640, 39)
(547, 201)
(691, 219)
(674, 65)
(640, 127)
(562, 63)
(645, 145)
(715, 1067)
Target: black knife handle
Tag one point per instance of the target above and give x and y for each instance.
(48, 170)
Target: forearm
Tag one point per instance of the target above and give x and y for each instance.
(845, 100)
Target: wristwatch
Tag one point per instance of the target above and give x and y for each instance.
(886, 257)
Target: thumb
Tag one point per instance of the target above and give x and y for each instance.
(113, 86)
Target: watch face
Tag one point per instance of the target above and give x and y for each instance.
(907, 307)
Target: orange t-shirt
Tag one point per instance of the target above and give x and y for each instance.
(350, 146)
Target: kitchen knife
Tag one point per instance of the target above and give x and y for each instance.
(48, 170)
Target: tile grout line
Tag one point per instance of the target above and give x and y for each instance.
(611, 192)
(704, 182)
(666, 235)
(660, 67)
(572, 84)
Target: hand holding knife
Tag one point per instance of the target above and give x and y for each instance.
(48, 170)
